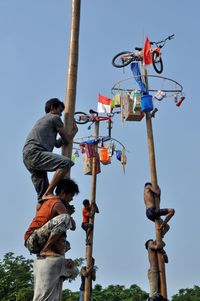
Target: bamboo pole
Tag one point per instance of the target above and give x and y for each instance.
(93, 199)
(70, 97)
(152, 162)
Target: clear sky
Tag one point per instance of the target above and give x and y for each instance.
(34, 45)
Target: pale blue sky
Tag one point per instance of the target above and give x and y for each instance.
(33, 63)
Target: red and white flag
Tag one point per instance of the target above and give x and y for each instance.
(147, 56)
(104, 104)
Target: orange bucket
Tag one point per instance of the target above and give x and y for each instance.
(104, 156)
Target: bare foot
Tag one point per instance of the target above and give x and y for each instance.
(48, 253)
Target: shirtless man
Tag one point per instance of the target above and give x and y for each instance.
(150, 198)
(153, 272)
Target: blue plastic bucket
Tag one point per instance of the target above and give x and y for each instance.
(147, 103)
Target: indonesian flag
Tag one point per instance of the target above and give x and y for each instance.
(104, 104)
(147, 56)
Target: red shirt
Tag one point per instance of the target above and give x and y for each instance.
(43, 215)
(85, 213)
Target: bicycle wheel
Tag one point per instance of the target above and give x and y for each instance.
(81, 117)
(122, 59)
(157, 62)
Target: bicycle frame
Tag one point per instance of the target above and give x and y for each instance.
(93, 117)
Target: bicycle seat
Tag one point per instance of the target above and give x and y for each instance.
(138, 48)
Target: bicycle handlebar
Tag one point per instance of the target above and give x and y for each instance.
(93, 112)
(163, 41)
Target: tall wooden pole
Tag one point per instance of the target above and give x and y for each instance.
(93, 200)
(70, 97)
(152, 162)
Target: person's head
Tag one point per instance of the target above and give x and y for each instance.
(86, 203)
(147, 243)
(54, 106)
(66, 189)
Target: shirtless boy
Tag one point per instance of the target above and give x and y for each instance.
(152, 213)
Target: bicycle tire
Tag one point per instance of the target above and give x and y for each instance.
(157, 62)
(122, 64)
(77, 117)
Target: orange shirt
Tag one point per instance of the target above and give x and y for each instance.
(85, 213)
(43, 215)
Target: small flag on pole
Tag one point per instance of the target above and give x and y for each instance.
(147, 56)
(104, 104)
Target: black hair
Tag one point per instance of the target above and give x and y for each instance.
(147, 183)
(86, 202)
(147, 242)
(53, 103)
(68, 186)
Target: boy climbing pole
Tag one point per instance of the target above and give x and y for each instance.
(51, 220)
(87, 213)
(37, 152)
(152, 213)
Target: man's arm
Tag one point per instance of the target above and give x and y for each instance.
(156, 191)
(67, 138)
(60, 208)
(91, 271)
(59, 143)
(154, 246)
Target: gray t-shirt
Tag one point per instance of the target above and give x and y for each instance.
(43, 134)
(49, 274)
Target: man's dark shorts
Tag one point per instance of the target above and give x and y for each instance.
(87, 226)
(153, 213)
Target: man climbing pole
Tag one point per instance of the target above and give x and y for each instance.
(152, 213)
(87, 213)
(51, 271)
(153, 272)
(51, 220)
(84, 274)
(37, 152)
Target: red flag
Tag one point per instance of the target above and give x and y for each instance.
(104, 104)
(147, 56)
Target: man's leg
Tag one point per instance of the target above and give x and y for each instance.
(41, 162)
(153, 281)
(57, 177)
(168, 216)
(40, 182)
(81, 298)
(56, 226)
(47, 235)
(54, 162)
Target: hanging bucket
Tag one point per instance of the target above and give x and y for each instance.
(147, 103)
(104, 156)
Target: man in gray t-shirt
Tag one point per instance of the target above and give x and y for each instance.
(37, 152)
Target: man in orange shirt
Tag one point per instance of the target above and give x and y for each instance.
(87, 213)
(51, 220)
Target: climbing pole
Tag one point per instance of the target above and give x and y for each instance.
(89, 245)
(70, 97)
(152, 162)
